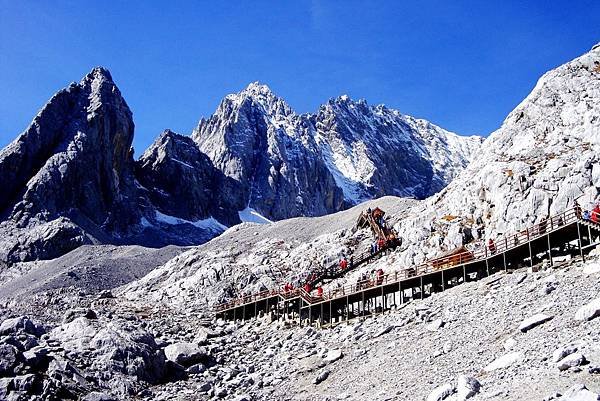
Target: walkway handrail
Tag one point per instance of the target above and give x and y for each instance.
(502, 244)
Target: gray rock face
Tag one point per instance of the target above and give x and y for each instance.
(182, 181)
(291, 165)
(374, 151)
(75, 154)
(255, 138)
(74, 161)
(8, 359)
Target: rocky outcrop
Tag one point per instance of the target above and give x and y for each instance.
(542, 159)
(69, 177)
(255, 138)
(181, 181)
(75, 157)
(69, 180)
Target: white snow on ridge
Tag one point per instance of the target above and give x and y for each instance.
(208, 224)
(249, 215)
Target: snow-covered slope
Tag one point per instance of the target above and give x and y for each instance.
(312, 164)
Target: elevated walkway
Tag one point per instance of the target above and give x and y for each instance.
(564, 234)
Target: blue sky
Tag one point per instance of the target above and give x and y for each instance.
(462, 65)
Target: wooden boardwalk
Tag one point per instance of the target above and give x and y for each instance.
(564, 234)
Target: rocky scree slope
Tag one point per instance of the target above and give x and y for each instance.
(250, 258)
(311, 164)
(542, 159)
(521, 336)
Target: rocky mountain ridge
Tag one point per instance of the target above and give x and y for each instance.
(71, 179)
(356, 152)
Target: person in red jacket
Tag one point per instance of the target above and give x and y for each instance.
(307, 288)
(343, 263)
(596, 214)
(379, 276)
(320, 292)
(492, 246)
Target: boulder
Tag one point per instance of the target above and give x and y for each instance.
(562, 352)
(74, 313)
(24, 383)
(321, 376)
(21, 324)
(435, 325)
(588, 311)
(196, 369)
(570, 361)
(98, 396)
(333, 355)
(9, 358)
(504, 361)
(441, 392)
(467, 387)
(534, 321)
(579, 392)
(185, 354)
(119, 346)
(36, 356)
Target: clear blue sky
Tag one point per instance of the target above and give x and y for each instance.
(462, 65)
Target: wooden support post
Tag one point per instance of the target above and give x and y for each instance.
(363, 304)
(401, 298)
(589, 235)
(244, 313)
(347, 310)
(487, 267)
(234, 309)
(464, 274)
(530, 251)
(504, 260)
(550, 251)
(580, 247)
(300, 311)
(422, 288)
(330, 314)
(255, 306)
(310, 315)
(382, 300)
(321, 317)
(443, 282)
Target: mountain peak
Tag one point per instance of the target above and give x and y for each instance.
(97, 74)
(258, 88)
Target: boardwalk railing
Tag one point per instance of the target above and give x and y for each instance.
(482, 252)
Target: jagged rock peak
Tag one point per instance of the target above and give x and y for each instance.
(97, 73)
(257, 94)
